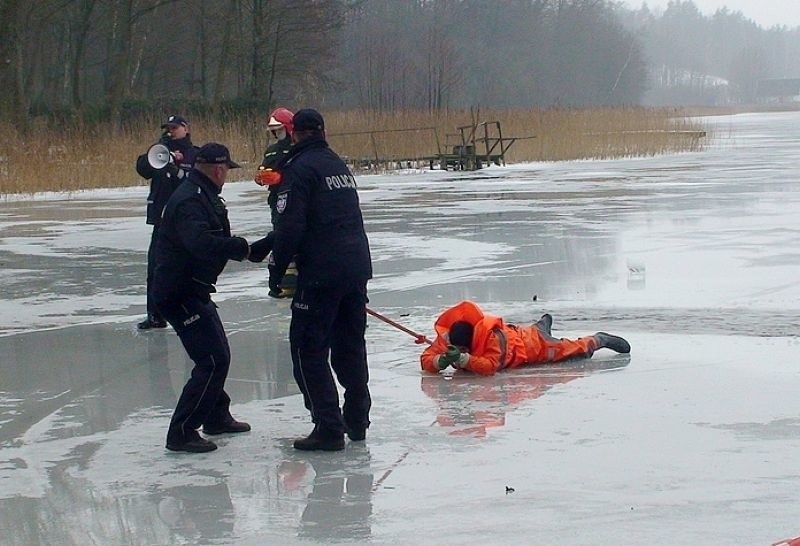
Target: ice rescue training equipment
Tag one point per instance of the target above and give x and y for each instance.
(267, 177)
(420, 338)
(497, 345)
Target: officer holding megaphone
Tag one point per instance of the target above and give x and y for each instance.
(165, 164)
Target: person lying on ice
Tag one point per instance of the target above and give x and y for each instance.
(468, 339)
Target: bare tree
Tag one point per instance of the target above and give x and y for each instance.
(81, 26)
(118, 55)
(11, 104)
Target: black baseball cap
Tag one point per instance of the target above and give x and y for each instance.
(215, 153)
(308, 119)
(175, 120)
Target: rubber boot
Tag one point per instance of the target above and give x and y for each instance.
(609, 341)
(545, 324)
(191, 443)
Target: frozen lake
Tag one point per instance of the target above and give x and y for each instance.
(691, 439)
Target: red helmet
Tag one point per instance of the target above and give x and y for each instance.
(281, 116)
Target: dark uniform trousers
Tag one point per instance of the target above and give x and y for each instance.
(203, 400)
(331, 316)
(152, 310)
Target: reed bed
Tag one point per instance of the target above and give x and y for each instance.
(50, 157)
(553, 134)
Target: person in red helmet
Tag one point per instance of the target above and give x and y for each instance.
(468, 339)
(280, 126)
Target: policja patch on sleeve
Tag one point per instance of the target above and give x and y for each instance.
(280, 205)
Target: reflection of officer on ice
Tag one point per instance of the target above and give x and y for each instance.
(197, 513)
(339, 504)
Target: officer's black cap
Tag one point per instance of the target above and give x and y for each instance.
(215, 153)
(175, 120)
(308, 119)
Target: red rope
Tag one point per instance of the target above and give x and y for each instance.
(420, 338)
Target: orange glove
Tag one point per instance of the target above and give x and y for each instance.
(267, 177)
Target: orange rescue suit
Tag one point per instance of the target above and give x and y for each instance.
(496, 345)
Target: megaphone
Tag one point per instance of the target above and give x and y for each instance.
(159, 156)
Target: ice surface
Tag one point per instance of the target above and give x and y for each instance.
(692, 439)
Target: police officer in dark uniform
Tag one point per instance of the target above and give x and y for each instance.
(163, 182)
(321, 226)
(193, 246)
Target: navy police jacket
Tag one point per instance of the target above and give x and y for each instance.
(164, 181)
(319, 218)
(274, 156)
(194, 242)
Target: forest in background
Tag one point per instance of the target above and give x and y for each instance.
(713, 60)
(101, 60)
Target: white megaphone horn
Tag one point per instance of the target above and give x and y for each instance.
(159, 156)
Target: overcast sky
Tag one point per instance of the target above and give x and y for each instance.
(764, 12)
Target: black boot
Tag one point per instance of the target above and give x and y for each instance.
(321, 440)
(191, 443)
(356, 434)
(544, 324)
(228, 427)
(609, 341)
(152, 321)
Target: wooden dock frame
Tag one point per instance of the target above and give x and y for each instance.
(473, 147)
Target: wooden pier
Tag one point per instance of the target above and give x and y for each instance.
(471, 148)
(475, 146)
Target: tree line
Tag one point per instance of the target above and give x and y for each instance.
(114, 59)
(710, 59)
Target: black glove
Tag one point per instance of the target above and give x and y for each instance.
(274, 283)
(173, 171)
(260, 249)
(242, 251)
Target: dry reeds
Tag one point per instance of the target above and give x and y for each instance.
(552, 134)
(54, 158)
